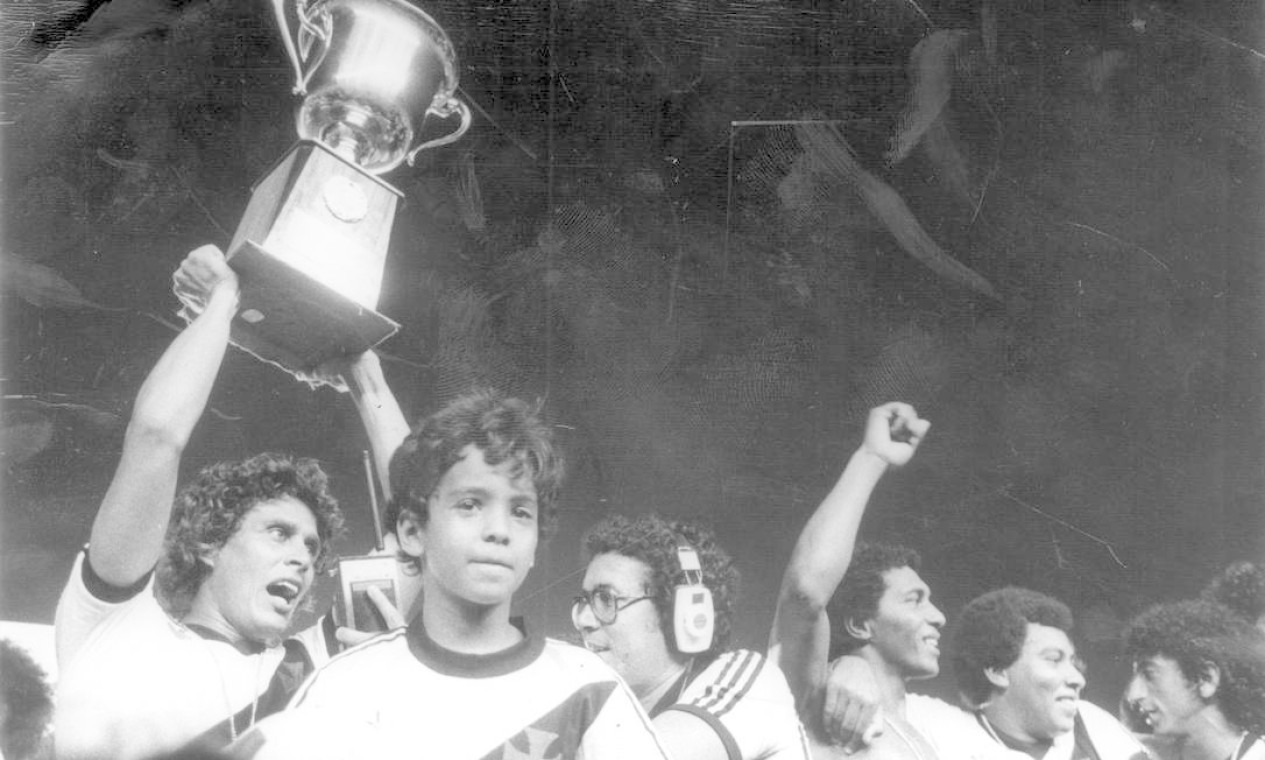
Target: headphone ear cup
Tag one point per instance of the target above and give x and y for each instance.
(693, 618)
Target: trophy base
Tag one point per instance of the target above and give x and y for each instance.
(290, 319)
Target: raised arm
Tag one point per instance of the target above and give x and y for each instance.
(800, 639)
(128, 531)
(380, 413)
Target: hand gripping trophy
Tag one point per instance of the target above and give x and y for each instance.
(311, 248)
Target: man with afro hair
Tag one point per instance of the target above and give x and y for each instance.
(1017, 669)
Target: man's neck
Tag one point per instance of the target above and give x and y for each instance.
(649, 694)
(1210, 736)
(460, 626)
(1009, 721)
(206, 620)
(890, 680)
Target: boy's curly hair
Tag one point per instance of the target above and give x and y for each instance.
(1241, 587)
(1198, 633)
(504, 429)
(863, 585)
(991, 631)
(653, 540)
(208, 511)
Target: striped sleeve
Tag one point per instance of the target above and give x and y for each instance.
(745, 700)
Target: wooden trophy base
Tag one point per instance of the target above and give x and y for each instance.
(310, 253)
(290, 319)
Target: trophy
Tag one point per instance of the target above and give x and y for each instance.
(311, 247)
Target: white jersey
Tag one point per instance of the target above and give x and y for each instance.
(402, 695)
(956, 733)
(746, 700)
(134, 682)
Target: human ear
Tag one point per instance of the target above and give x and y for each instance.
(1209, 680)
(410, 532)
(999, 678)
(860, 630)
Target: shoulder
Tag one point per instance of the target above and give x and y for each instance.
(922, 707)
(953, 731)
(377, 660)
(83, 617)
(734, 677)
(1108, 734)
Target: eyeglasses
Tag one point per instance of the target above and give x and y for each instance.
(606, 605)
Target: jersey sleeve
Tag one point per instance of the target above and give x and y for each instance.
(745, 699)
(80, 611)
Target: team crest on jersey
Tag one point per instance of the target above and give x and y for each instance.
(557, 734)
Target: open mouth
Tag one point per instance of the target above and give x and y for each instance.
(286, 591)
(594, 648)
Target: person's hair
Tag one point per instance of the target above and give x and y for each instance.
(1196, 634)
(504, 429)
(1241, 587)
(27, 701)
(208, 511)
(991, 631)
(653, 541)
(863, 585)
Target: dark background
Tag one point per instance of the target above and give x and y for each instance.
(1063, 273)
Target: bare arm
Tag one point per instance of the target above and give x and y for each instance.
(128, 531)
(380, 413)
(800, 639)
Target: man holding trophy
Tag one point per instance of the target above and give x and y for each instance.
(173, 629)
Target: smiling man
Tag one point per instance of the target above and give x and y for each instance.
(242, 546)
(708, 702)
(475, 487)
(874, 606)
(1016, 665)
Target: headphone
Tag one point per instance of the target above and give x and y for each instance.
(693, 614)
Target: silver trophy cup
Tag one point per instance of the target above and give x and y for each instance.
(311, 248)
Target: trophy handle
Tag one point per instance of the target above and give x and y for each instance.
(453, 106)
(309, 32)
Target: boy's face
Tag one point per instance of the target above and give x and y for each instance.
(1045, 683)
(479, 539)
(262, 572)
(906, 628)
(1167, 700)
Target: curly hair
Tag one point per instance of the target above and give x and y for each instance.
(504, 429)
(1241, 587)
(653, 540)
(208, 511)
(27, 700)
(991, 631)
(1196, 633)
(863, 585)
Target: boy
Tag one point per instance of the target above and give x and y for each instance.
(474, 488)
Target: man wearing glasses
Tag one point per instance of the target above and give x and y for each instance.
(645, 612)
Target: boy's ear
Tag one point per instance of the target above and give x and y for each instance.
(1209, 680)
(409, 531)
(858, 629)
